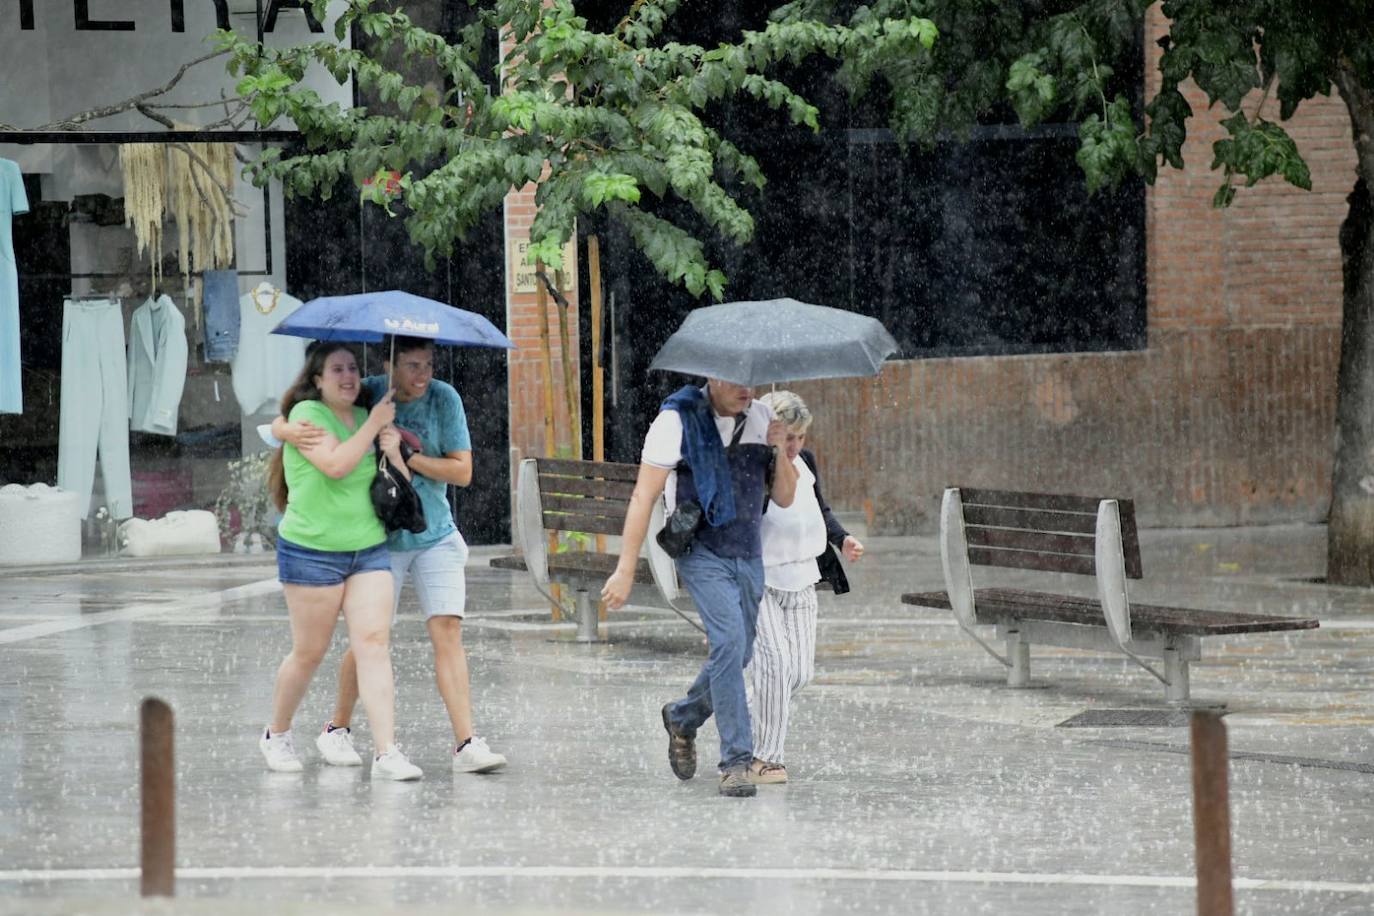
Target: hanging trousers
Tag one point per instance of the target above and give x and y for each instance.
(784, 662)
(95, 405)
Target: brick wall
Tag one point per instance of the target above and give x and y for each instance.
(526, 366)
(1226, 418)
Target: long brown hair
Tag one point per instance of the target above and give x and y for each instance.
(304, 389)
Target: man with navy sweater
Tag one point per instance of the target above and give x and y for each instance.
(718, 446)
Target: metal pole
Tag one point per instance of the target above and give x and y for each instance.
(158, 786)
(586, 618)
(1211, 815)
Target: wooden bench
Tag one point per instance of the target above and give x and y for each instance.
(1069, 534)
(590, 497)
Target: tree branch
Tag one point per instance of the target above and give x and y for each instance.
(195, 158)
(553, 290)
(133, 103)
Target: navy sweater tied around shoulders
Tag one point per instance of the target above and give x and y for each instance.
(704, 453)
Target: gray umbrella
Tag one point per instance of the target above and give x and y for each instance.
(780, 340)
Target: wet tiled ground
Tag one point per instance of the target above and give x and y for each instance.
(920, 784)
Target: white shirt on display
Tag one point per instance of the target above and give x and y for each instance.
(266, 363)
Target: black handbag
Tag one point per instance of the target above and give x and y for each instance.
(678, 532)
(395, 500)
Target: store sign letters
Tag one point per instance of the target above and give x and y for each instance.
(81, 9)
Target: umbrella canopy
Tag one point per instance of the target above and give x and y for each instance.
(779, 340)
(368, 317)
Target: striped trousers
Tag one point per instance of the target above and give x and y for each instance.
(784, 662)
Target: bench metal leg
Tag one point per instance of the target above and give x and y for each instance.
(586, 618)
(1018, 650)
(1176, 673)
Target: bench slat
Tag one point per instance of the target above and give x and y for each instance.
(570, 467)
(591, 524)
(994, 605)
(1031, 519)
(586, 567)
(1076, 544)
(584, 505)
(609, 489)
(1054, 502)
(1026, 559)
(1130, 540)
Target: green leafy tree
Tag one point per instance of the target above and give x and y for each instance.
(610, 121)
(599, 121)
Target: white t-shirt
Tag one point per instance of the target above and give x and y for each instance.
(663, 441)
(794, 536)
(265, 364)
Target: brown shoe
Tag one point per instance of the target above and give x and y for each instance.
(763, 773)
(682, 749)
(735, 783)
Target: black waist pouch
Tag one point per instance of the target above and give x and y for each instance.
(681, 528)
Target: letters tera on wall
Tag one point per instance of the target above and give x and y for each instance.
(81, 9)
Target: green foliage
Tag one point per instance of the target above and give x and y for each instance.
(614, 122)
(1055, 62)
(617, 122)
(1259, 150)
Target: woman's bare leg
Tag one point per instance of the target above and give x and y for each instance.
(313, 611)
(367, 603)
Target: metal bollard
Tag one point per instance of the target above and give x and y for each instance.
(158, 785)
(586, 618)
(1211, 815)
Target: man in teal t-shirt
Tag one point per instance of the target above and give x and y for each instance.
(433, 412)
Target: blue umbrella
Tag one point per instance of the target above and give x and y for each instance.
(369, 317)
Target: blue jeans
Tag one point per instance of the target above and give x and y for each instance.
(220, 301)
(727, 594)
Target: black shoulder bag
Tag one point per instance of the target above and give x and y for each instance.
(394, 497)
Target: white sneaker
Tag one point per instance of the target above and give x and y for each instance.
(476, 757)
(280, 752)
(394, 765)
(336, 747)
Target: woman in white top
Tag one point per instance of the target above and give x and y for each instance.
(799, 544)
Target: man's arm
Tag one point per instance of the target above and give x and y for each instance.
(648, 487)
(302, 434)
(454, 467)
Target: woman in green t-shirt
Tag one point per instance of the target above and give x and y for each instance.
(331, 551)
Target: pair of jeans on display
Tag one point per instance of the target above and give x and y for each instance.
(220, 301)
(727, 592)
(95, 405)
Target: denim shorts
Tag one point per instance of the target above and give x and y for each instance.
(297, 565)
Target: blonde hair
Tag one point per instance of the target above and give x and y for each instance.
(790, 409)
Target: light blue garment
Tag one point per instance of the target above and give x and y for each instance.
(438, 418)
(727, 592)
(220, 301)
(95, 405)
(157, 366)
(13, 201)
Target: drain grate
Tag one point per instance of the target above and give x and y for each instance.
(1128, 718)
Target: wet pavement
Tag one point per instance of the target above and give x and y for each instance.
(920, 784)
